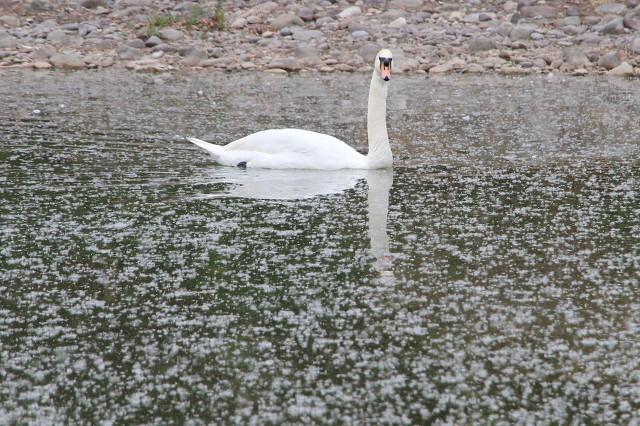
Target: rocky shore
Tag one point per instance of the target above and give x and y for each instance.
(435, 37)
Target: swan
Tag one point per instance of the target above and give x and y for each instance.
(303, 149)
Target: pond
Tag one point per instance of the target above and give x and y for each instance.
(491, 277)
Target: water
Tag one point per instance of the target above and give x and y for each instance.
(492, 277)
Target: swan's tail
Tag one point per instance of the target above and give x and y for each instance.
(214, 150)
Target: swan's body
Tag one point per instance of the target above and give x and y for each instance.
(303, 149)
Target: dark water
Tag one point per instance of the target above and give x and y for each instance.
(491, 278)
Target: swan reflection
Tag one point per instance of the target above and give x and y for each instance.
(268, 184)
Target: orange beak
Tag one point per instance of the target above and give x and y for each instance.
(385, 71)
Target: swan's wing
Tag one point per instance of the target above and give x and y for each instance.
(292, 141)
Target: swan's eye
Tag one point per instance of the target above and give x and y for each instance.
(386, 62)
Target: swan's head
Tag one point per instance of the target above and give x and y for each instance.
(382, 65)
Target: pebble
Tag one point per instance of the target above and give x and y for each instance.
(67, 60)
(398, 23)
(614, 26)
(622, 70)
(522, 31)
(610, 60)
(286, 20)
(611, 9)
(635, 46)
(480, 44)
(350, 11)
(359, 34)
(170, 34)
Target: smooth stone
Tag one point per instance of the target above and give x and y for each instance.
(286, 31)
(611, 9)
(41, 65)
(474, 69)
(286, 20)
(544, 11)
(536, 36)
(441, 69)
(254, 19)
(398, 23)
(610, 60)
(632, 19)
(9, 21)
(128, 53)
(622, 70)
(158, 54)
(153, 41)
(99, 60)
(275, 71)
(239, 23)
(86, 29)
(571, 20)
(288, 64)
(43, 53)
(510, 6)
(196, 56)
(505, 28)
(614, 26)
(575, 57)
(360, 34)
(57, 36)
(480, 44)
(307, 55)
(136, 43)
(263, 8)
(522, 32)
(306, 35)
(92, 4)
(368, 51)
(214, 62)
(324, 21)
(67, 60)
(350, 11)
(7, 41)
(170, 34)
(635, 46)
(71, 27)
(306, 14)
(406, 4)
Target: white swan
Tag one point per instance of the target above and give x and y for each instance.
(303, 149)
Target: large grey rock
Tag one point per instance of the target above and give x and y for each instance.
(400, 22)
(622, 70)
(306, 14)
(575, 57)
(542, 10)
(43, 53)
(286, 20)
(614, 26)
(522, 31)
(288, 64)
(609, 60)
(9, 21)
(153, 41)
(128, 53)
(611, 9)
(7, 41)
(480, 44)
(67, 60)
(306, 35)
(239, 23)
(406, 4)
(85, 30)
(307, 55)
(57, 36)
(632, 19)
(360, 34)
(170, 34)
(93, 4)
(350, 11)
(195, 57)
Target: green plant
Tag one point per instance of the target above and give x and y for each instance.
(220, 15)
(157, 22)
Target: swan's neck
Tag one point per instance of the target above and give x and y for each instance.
(379, 150)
